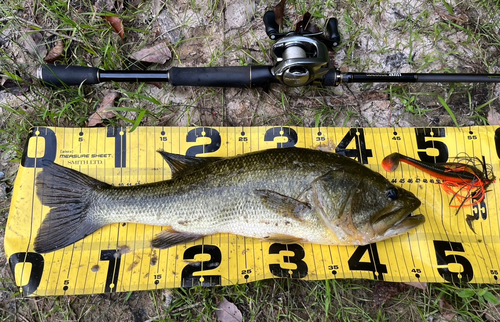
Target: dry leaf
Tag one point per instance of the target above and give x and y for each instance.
(136, 3)
(384, 291)
(33, 43)
(306, 24)
(446, 309)
(460, 20)
(493, 116)
(55, 53)
(493, 313)
(156, 84)
(420, 285)
(157, 54)
(117, 24)
(279, 13)
(228, 312)
(167, 298)
(13, 87)
(105, 110)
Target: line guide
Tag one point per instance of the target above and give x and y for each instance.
(118, 258)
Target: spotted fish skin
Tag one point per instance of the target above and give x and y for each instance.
(283, 195)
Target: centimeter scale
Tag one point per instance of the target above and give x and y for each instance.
(118, 258)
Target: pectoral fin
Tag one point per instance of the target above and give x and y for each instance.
(283, 205)
(169, 237)
(181, 164)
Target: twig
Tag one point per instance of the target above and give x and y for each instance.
(41, 28)
(187, 307)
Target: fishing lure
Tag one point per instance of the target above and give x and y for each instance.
(462, 179)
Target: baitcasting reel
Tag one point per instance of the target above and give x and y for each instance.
(301, 57)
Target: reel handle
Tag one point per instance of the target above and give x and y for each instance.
(272, 28)
(333, 31)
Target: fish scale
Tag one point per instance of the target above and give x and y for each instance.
(284, 195)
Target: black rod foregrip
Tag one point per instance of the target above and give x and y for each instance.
(232, 76)
(62, 75)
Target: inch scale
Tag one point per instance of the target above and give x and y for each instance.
(118, 258)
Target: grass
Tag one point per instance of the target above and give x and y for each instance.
(426, 33)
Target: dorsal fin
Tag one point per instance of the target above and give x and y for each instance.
(181, 164)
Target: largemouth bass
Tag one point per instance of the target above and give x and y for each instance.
(281, 195)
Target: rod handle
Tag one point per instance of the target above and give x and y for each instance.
(62, 75)
(231, 76)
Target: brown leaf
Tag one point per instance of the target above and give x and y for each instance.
(420, 285)
(384, 291)
(446, 309)
(105, 110)
(460, 20)
(279, 13)
(14, 87)
(55, 53)
(116, 23)
(34, 43)
(228, 312)
(306, 24)
(493, 313)
(494, 115)
(157, 54)
(136, 3)
(156, 84)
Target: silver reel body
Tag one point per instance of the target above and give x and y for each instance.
(299, 60)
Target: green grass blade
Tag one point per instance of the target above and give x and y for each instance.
(448, 109)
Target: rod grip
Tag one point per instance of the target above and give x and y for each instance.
(62, 75)
(232, 76)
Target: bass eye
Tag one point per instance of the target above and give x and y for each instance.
(391, 193)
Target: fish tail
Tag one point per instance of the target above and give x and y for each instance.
(69, 194)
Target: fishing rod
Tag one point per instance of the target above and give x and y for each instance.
(300, 58)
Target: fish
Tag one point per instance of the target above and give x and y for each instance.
(285, 195)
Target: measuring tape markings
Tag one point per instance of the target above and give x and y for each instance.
(398, 137)
(397, 269)
(481, 211)
(472, 137)
(395, 139)
(36, 260)
(453, 249)
(496, 142)
(68, 283)
(447, 252)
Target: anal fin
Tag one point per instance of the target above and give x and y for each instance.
(169, 237)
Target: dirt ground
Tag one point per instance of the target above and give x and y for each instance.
(394, 36)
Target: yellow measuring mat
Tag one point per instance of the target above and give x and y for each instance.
(119, 257)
